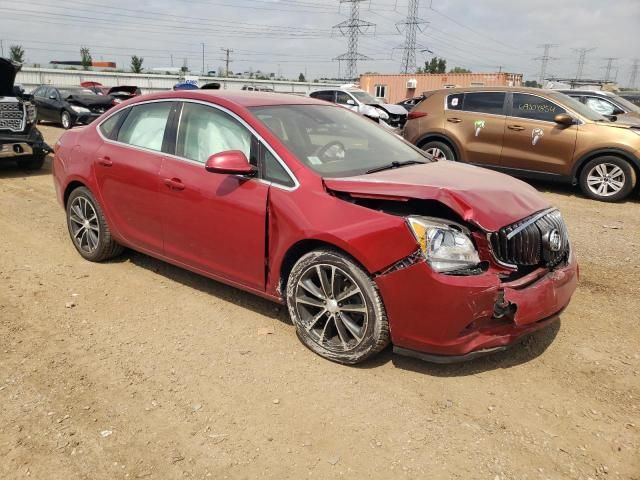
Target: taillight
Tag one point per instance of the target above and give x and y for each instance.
(413, 115)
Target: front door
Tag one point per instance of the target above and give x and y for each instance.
(213, 222)
(127, 169)
(533, 141)
(476, 122)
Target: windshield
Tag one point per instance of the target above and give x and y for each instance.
(578, 107)
(66, 92)
(333, 141)
(364, 97)
(627, 104)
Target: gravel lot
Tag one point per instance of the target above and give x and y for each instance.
(136, 369)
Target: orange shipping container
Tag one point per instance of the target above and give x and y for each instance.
(394, 88)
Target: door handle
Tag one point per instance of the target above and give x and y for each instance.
(454, 120)
(105, 161)
(517, 128)
(174, 183)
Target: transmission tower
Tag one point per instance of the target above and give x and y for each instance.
(227, 60)
(610, 60)
(351, 29)
(582, 59)
(410, 25)
(544, 60)
(634, 73)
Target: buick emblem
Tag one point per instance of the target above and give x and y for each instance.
(554, 240)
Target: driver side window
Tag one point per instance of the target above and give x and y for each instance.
(343, 99)
(601, 106)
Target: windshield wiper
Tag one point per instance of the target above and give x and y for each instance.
(395, 164)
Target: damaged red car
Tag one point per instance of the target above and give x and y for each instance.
(366, 239)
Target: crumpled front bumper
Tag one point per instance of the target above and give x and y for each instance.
(454, 316)
(16, 145)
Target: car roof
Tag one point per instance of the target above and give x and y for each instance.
(493, 89)
(588, 92)
(242, 98)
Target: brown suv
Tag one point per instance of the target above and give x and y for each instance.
(530, 133)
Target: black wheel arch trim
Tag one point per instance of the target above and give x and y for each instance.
(442, 136)
(618, 152)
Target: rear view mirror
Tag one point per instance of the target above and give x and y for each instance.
(564, 119)
(231, 162)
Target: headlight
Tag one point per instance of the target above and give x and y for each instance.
(383, 115)
(79, 109)
(31, 112)
(445, 247)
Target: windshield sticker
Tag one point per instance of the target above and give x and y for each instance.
(454, 102)
(479, 125)
(536, 134)
(314, 160)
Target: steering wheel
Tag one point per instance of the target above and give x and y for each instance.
(336, 149)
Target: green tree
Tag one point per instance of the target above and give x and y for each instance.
(459, 70)
(301, 78)
(136, 64)
(17, 53)
(442, 66)
(532, 83)
(85, 58)
(435, 65)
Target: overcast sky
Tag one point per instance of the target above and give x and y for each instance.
(293, 36)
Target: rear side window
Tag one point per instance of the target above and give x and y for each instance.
(109, 128)
(145, 125)
(484, 102)
(327, 95)
(534, 108)
(454, 102)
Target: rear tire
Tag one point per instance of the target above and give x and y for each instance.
(607, 178)
(65, 120)
(34, 162)
(336, 307)
(88, 227)
(439, 150)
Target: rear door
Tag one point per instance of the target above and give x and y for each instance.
(47, 106)
(475, 120)
(533, 141)
(127, 168)
(214, 223)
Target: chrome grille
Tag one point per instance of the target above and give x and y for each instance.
(11, 116)
(541, 239)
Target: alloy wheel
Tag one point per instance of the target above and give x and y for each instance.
(65, 119)
(85, 228)
(606, 179)
(436, 153)
(332, 307)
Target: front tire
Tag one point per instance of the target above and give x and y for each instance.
(336, 307)
(88, 228)
(607, 178)
(65, 120)
(439, 150)
(34, 162)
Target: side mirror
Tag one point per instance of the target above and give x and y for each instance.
(564, 119)
(231, 162)
(617, 111)
(350, 102)
(52, 96)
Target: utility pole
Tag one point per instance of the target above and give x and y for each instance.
(227, 52)
(610, 60)
(544, 61)
(582, 59)
(203, 72)
(634, 73)
(172, 59)
(410, 25)
(351, 29)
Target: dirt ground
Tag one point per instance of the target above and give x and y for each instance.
(136, 369)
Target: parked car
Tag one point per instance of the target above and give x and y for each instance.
(363, 103)
(410, 103)
(607, 104)
(118, 94)
(363, 236)
(69, 106)
(530, 133)
(20, 139)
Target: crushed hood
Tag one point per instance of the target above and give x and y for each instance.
(90, 100)
(393, 109)
(8, 72)
(130, 90)
(482, 197)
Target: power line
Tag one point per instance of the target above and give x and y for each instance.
(544, 60)
(410, 25)
(582, 59)
(352, 28)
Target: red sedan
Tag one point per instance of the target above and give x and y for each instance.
(365, 238)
